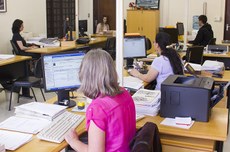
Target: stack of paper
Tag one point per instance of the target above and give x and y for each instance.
(196, 67)
(147, 102)
(40, 110)
(178, 122)
(133, 83)
(6, 56)
(25, 125)
(13, 140)
(213, 66)
(2, 148)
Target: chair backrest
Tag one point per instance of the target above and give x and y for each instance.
(212, 41)
(110, 47)
(15, 49)
(38, 72)
(147, 139)
(195, 54)
(148, 44)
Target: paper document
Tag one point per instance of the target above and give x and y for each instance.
(6, 56)
(26, 125)
(212, 65)
(196, 67)
(40, 110)
(13, 140)
(133, 83)
(172, 122)
(2, 148)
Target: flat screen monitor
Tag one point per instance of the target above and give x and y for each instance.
(83, 25)
(173, 32)
(134, 47)
(154, 4)
(61, 73)
(180, 28)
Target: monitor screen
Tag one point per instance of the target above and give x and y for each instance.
(134, 47)
(83, 26)
(148, 3)
(61, 71)
(173, 32)
(180, 28)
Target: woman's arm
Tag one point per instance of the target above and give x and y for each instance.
(98, 28)
(96, 140)
(22, 47)
(149, 77)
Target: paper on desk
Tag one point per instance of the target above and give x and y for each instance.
(75, 109)
(172, 122)
(132, 83)
(196, 67)
(6, 56)
(13, 140)
(26, 125)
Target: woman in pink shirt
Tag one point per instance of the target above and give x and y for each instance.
(110, 118)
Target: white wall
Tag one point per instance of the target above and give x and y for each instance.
(172, 11)
(33, 14)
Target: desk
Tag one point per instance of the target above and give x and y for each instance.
(48, 50)
(14, 68)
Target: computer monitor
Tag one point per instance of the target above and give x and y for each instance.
(180, 28)
(173, 32)
(83, 27)
(61, 74)
(134, 47)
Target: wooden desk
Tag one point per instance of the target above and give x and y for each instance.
(49, 50)
(14, 68)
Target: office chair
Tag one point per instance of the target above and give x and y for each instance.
(148, 44)
(195, 54)
(29, 82)
(110, 47)
(15, 49)
(212, 41)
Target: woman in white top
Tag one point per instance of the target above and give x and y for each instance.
(103, 27)
(167, 63)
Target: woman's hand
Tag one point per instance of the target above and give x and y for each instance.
(134, 73)
(71, 137)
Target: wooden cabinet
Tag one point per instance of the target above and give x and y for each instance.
(145, 22)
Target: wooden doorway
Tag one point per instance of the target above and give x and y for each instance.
(227, 21)
(104, 8)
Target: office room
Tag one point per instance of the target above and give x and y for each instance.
(107, 75)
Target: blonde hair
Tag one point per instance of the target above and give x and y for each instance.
(98, 75)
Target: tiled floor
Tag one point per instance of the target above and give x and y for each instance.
(4, 113)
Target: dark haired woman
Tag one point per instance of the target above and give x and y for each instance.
(168, 62)
(18, 40)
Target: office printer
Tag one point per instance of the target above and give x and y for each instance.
(188, 96)
(218, 49)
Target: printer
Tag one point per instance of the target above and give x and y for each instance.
(189, 96)
(218, 49)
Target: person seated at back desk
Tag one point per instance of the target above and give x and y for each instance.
(102, 27)
(168, 62)
(18, 40)
(205, 33)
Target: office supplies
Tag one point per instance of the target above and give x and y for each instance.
(217, 49)
(183, 120)
(132, 83)
(56, 131)
(13, 140)
(183, 96)
(40, 110)
(139, 117)
(61, 74)
(213, 66)
(147, 102)
(134, 47)
(172, 123)
(23, 124)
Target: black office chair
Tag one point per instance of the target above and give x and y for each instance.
(15, 49)
(212, 41)
(148, 44)
(195, 54)
(29, 82)
(110, 47)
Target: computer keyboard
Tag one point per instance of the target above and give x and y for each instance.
(56, 131)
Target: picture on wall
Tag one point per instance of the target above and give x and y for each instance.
(2, 6)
